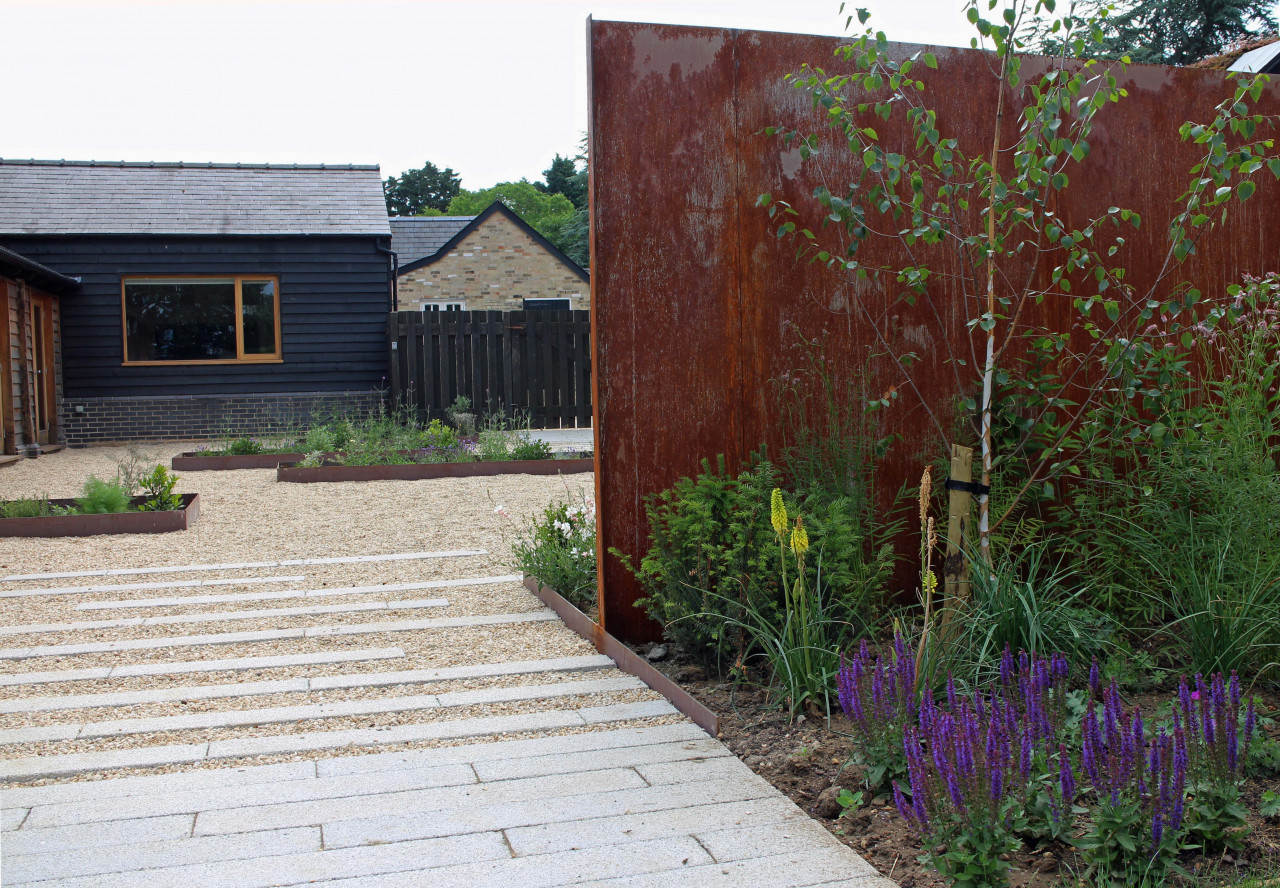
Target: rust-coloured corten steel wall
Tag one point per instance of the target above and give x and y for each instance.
(694, 294)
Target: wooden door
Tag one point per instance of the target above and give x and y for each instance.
(44, 383)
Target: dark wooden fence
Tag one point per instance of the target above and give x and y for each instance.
(537, 362)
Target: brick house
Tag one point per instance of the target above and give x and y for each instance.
(210, 297)
(491, 262)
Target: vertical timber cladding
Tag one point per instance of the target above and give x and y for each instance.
(697, 302)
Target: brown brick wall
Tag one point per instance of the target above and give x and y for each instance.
(493, 269)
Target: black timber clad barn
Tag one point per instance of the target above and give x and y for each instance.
(212, 297)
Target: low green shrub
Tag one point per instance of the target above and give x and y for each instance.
(100, 497)
(713, 564)
(532, 450)
(27, 507)
(158, 488)
(559, 548)
(244, 447)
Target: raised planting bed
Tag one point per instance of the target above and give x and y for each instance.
(112, 523)
(196, 461)
(425, 471)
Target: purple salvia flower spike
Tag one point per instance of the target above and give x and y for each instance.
(900, 801)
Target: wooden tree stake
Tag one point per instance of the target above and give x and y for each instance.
(955, 570)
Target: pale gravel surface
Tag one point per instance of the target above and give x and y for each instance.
(382, 720)
(245, 517)
(261, 701)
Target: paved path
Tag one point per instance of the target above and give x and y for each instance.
(160, 726)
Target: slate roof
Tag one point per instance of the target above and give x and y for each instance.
(416, 237)
(90, 197)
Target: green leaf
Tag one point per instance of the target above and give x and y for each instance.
(930, 60)
(1245, 190)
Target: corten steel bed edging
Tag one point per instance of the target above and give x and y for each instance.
(195, 461)
(102, 525)
(426, 471)
(627, 660)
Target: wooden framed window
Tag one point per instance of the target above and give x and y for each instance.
(196, 319)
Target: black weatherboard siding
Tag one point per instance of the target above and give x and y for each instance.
(334, 299)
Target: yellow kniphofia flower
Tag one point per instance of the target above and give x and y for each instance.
(799, 538)
(779, 513)
(930, 583)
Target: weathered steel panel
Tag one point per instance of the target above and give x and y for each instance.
(694, 294)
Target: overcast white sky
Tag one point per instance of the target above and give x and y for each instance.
(493, 89)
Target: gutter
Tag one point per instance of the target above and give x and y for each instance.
(395, 273)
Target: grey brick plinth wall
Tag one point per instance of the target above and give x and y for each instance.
(177, 417)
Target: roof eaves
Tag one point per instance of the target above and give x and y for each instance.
(16, 265)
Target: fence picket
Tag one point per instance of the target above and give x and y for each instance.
(537, 362)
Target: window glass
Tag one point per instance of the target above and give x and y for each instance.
(258, 307)
(180, 320)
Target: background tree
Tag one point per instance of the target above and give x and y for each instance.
(576, 233)
(414, 191)
(563, 177)
(547, 214)
(1169, 32)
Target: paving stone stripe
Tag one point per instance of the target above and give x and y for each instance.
(296, 869)
(245, 565)
(622, 829)
(205, 800)
(19, 867)
(235, 664)
(40, 767)
(300, 685)
(137, 587)
(348, 826)
(401, 816)
(87, 836)
(227, 616)
(65, 650)
(820, 866)
(566, 748)
(324, 592)
(290, 785)
(237, 718)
